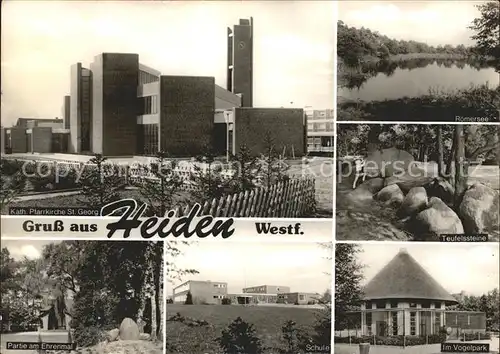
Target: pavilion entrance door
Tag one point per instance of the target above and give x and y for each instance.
(382, 328)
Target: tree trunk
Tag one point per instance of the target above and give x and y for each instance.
(450, 167)
(460, 165)
(161, 294)
(145, 288)
(440, 151)
(154, 327)
(373, 138)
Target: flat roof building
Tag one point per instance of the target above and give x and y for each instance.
(319, 130)
(202, 292)
(121, 107)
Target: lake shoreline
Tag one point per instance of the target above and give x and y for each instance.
(347, 73)
(481, 103)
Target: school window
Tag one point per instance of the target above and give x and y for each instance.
(369, 323)
(468, 320)
(302, 297)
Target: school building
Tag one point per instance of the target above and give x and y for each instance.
(213, 293)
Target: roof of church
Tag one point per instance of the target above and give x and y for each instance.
(404, 278)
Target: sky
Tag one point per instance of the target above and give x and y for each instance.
(301, 266)
(432, 22)
(40, 40)
(31, 249)
(457, 267)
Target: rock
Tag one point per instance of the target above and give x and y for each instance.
(414, 202)
(391, 195)
(129, 330)
(391, 162)
(407, 182)
(441, 188)
(436, 220)
(112, 335)
(373, 185)
(365, 191)
(479, 209)
(145, 336)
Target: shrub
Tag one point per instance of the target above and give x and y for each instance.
(291, 336)
(189, 298)
(322, 328)
(10, 167)
(170, 301)
(474, 336)
(89, 336)
(394, 340)
(239, 337)
(226, 301)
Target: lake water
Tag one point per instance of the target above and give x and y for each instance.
(412, 79)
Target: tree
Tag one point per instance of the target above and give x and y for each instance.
(13, 183)
(272, 166)
(487, 28)
(348, 277)
(440, 150)
(159, 192)
(152, 288)
(461, 165)
(63, 261)
(247, 168)
(207, 178)
(189, 298)
(100, 183)
(174, 273)
(488, 303)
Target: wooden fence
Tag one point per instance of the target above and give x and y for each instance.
(291, 199)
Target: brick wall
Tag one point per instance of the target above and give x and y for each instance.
(285, 126)
(41, 139)
(186, 114)
(18, 139)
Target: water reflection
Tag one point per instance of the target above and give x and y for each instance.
(355, 75)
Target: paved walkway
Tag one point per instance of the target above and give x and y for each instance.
(44, 196)
(421, 349)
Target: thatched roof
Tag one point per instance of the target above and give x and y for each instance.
(404, 278)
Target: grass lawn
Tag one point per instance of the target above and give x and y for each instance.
(322, 171)
(267, 322)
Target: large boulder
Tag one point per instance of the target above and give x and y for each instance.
(366, 190)
(407, 182)
(373, 185)
(112, 335)
(437, 219)
(415, 201)
(440, 188)
(391, 162)
(479, 209)
(390, 195)
(129, 330)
